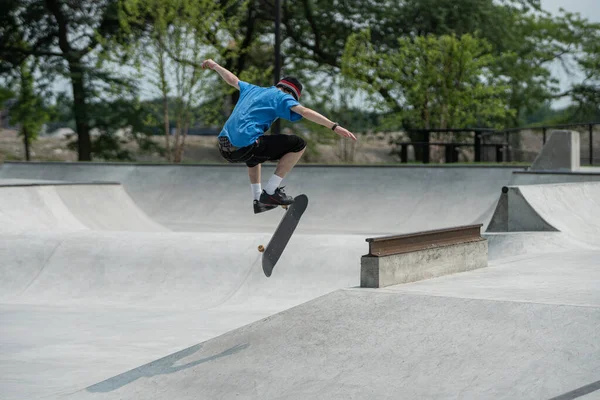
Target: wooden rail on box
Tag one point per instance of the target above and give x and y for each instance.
(394, 260)
(398, 244)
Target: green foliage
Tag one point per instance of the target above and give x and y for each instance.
(430, 82)
(117, 123)
(585, 95)
(176, 37)
(61, 112)
(29, 110)
(423, 63)
(526, 41)
(543, 115)
(64, 38)
(5, 95)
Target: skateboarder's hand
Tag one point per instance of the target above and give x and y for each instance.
(344, 132)
(209, 64)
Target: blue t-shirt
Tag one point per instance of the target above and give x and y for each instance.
(257, 108)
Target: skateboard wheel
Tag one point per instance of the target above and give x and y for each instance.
(261, 248)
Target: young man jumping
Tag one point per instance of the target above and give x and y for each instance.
(243, 136)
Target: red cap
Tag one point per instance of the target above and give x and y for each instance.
(291, 86)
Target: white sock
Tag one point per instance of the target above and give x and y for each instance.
(256, 190)
(273, 184)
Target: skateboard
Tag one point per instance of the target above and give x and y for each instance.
(282, 234)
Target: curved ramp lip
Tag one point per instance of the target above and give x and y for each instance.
(411, 198)
(56, 183)
(97, 206)
(558, 172)
(390, 166)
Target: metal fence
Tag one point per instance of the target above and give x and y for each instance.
(490, 145)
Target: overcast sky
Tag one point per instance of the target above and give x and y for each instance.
(587, 8)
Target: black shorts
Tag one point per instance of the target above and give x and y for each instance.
(266, 148)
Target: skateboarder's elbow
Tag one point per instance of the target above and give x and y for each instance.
(300, 110)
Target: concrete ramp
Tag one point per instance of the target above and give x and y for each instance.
(80, 307)
(381, 345)
(92, 285)
(571, 208)
(560, 153)
(515, 214)
(348, 200)
(31, 207)
(171, 270)
(504, 245)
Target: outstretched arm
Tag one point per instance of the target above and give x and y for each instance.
(317, 118)
(227, 76)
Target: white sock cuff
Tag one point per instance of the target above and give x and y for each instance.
(273, 184)
(256, 190)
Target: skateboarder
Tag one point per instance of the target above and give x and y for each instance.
(243, 136)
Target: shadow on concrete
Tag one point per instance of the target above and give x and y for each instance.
(162, 366)
(579, 392)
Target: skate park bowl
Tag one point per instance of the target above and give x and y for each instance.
(127, 281)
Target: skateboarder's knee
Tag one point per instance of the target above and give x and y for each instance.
(299, 146)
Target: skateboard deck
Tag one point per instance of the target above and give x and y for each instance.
(283, 233)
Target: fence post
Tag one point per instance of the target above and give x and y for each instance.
(477, 146)
(426, 148)
(451, 153)
(507, 147)
(499, 151)
(544, 135)
(591, 144)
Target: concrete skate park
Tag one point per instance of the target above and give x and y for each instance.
(124, 281)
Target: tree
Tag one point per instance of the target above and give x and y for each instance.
(176, 36)
(529, 40)
(118, 123)
(178, 26)
(316, 32)
(29, 111)
(64, 37)
(433, 82)
(585, 94)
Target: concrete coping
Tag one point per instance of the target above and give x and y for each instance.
(8, 183)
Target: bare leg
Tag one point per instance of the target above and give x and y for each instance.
(254, 174)
(284, 166)
(287, 162)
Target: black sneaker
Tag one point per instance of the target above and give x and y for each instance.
(260, 207)
(278, 198)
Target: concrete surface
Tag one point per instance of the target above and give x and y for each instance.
(28, 182)
(514, 214)
(560, 153)
(90, 307)
(69, 207)
(218, 198)
(80, 308)
(540, 177)
(572, 208)
(513, 244)
(525, 330)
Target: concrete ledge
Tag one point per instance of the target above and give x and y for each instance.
(378, 272)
